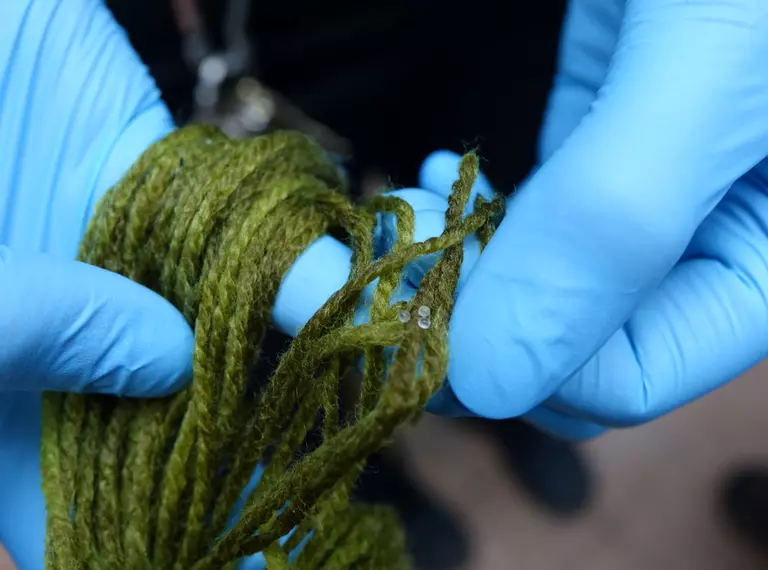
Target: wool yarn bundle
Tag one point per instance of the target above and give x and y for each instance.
(221, 470)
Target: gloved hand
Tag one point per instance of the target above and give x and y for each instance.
(76, 109)
(630, 274)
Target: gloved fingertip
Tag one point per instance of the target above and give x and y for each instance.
(313, 278)
(440, 170)
(363, 309)
(171, 369)
(253, 562)
(94, 331)
(433, 168)
(420, 201)
(148, 351)
(494, 372)
(418, 268)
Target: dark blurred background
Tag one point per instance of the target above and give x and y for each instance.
(398, 78)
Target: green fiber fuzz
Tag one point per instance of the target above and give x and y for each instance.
(213, 225)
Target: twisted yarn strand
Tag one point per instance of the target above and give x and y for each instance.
(214, 225)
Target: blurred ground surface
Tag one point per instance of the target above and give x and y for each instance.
(656, 505)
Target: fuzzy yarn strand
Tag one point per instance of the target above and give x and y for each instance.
(221, 470)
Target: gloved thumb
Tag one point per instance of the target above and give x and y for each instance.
(678, 118)
(69, 326)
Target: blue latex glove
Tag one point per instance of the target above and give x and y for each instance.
(630, 275)
(77, 108)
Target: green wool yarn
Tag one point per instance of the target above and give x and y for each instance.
(213, 225)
